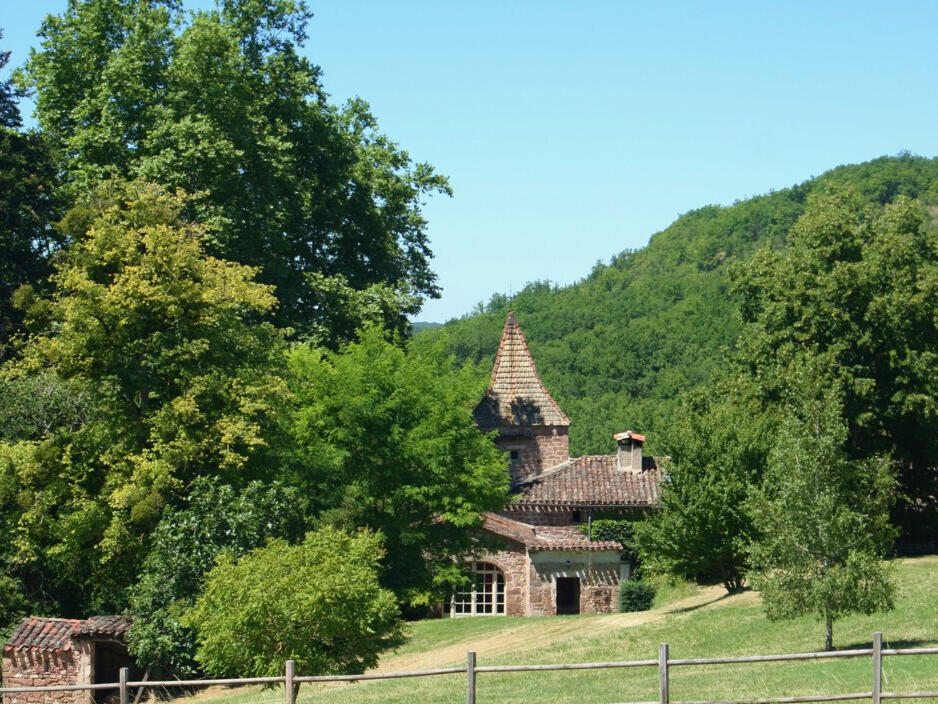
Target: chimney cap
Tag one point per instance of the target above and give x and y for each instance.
(629, 435)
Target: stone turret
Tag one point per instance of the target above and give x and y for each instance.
(532, 429)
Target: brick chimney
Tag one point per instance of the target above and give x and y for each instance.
(629, 450)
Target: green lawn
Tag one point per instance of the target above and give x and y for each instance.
(701, 624)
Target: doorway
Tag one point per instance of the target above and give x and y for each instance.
(568, 595)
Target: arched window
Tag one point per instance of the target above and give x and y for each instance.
(485, 596)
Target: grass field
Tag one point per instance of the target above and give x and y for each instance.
(696, 622)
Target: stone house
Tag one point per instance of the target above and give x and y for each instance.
(65, 651)
(544, 562)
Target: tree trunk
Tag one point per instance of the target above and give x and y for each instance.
(829, 633)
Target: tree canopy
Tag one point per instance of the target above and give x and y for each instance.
(386, 439)
(28, 205)
(222, 102)
(161, 370)
(822, 518)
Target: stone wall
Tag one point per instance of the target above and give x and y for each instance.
(538, 448)
(513, 564)
(599, 575)
(31, 667)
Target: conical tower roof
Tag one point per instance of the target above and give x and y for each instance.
(516, 395)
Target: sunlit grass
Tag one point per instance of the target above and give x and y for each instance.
(719, 626)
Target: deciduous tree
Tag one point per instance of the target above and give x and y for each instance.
(387, 441)
(181, 380)
(822, 519)
(27, 207)
(222, 101)
(716, 449)
(855, 294)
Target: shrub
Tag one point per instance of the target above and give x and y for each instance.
(636, 595)
(318, 603)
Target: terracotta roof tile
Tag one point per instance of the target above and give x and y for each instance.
(516, 395)
(570, 538)
(593, 480)
(540, 538)
(57, 633)
(105, 627)
(43, 634)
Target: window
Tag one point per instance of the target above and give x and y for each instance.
(577, 517)
(514, 455)
(485, 596)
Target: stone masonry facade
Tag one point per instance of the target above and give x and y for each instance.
(30, 667)
(535, 448)
(548, 563)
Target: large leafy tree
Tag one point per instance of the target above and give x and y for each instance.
(387, 442)
(855, 293)
(318, 603)
(822, 518)
(716, 450)
(221, 101)
(180, 380)
(27, 206)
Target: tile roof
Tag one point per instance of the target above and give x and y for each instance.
(105, 627)
(541, 538)
(57, 633)
(43, 634)
(516, 395)
(593, 480)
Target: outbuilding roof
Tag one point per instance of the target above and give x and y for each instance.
(115, 627)
(516, 395)
(543, 538)
(43, 634)
(57, 633)
(593, 480)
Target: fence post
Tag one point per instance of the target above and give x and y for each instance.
(289, 692)
(663, 694)
(877, 667)
(471, 677)
(124, 676)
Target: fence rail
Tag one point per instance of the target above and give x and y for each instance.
(663, 662)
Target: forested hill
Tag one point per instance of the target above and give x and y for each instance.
(618, 348)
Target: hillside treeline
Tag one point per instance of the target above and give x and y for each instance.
(619, 348)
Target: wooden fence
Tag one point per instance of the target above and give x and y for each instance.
(472, 670)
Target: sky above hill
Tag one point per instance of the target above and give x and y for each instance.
(571, 131)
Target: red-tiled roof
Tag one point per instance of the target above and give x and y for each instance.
(569, 538)
(593, 480)
(541, 538)
(57, 633)
(516, 395)
(43, 634)
(105, 627)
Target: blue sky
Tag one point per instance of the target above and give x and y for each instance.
(571, 131)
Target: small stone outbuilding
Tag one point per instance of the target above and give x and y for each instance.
(65, 651)
(543, 560)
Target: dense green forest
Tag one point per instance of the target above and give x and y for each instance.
(619, 348)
